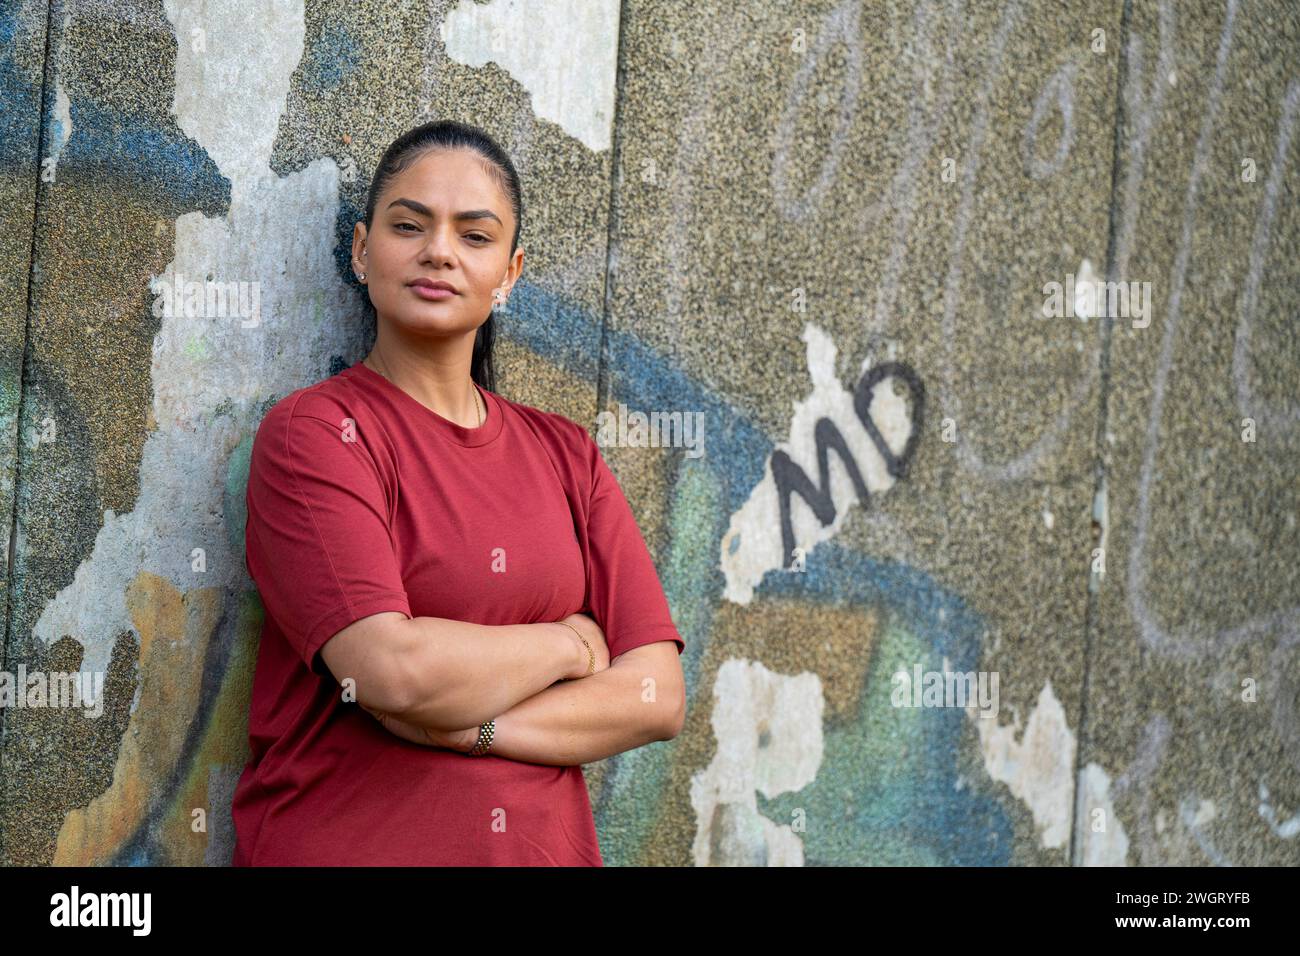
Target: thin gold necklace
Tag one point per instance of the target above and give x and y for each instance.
(474, 397)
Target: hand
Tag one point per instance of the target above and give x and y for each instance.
(461, 741)
(586, 626)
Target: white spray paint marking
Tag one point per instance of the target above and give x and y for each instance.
(279, 232)
(564, 52)
(768, 730)
(1288, 413)
(1152, 747)
(839, 32)
(1200, 812)
(949, 398)
(1287, 829)
(1195, 815)
(1107, 847)
(1058, 91)
(755, 529)
(1039, 767)
(1191, 642)
(923, 119)
(696, 133)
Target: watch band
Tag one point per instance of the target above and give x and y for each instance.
(485, 732)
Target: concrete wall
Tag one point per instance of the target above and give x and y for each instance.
(825, 226)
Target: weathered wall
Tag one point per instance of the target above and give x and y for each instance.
(756, 212)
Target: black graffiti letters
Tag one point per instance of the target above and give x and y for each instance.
(791, 479)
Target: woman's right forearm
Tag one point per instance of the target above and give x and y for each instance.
(459, 674)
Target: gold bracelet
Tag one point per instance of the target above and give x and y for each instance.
(591, 657)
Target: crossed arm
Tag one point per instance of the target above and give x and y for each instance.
(640, 698)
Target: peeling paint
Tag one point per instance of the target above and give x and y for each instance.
(1038, 768)
(1107, 847)
(279, 232)
(1196, 814)
(171, 672)
(768, 729)
(1101, 524)
(1085, 300)
(62, 129)
(563, 52)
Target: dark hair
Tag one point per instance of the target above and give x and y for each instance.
(403, 152)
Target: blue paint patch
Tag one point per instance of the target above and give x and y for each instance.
(568, 336)
(889, 792)
(334, 57)
(21, 95)
(161, 163)
(105, 146)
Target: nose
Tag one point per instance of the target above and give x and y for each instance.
(438, 246)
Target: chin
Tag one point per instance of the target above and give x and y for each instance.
(434, 319)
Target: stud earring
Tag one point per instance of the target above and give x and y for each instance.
(361, 276)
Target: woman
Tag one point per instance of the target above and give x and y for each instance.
(460, 608)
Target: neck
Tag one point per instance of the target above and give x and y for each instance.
(447, 391)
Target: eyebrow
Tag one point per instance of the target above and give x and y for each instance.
(468, 214)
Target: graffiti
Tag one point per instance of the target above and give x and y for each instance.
(1289, 414)
(856, 782)
(791, 479)
(1286, 829)
(1187, 643)
(840, 26)
(1061, 89)
(1194, 641)
(875, 431)
(1138, 778)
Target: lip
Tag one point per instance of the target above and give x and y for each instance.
(433, 290)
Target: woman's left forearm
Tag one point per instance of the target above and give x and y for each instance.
(582, 721)
(569, 723)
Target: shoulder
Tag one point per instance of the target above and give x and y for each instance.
(326, 398)
(311, 418)
(331, 399)
(560, 433)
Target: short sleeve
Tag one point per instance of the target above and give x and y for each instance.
(625, 596)
(317, 541)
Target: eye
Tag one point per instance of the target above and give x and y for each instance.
(412, 225)
(479, 236)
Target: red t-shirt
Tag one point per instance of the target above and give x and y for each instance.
(413, 515)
